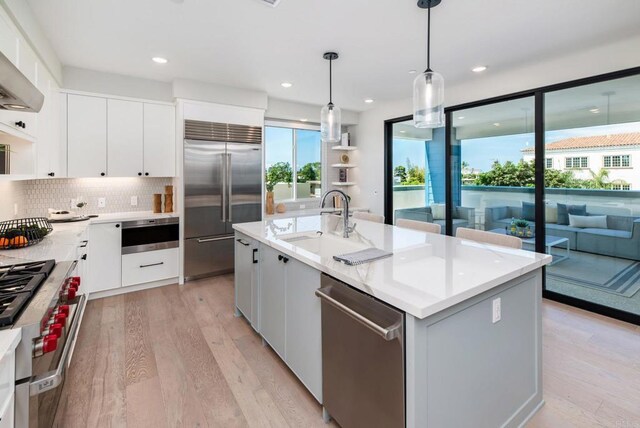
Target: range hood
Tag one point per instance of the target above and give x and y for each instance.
(16, 92)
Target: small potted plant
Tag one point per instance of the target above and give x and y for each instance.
(521, 226)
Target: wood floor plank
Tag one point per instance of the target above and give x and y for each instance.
(145, 408)
(140, 363)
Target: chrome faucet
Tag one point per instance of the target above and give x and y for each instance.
(345, 210)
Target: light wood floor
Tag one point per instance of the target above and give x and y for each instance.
(177, 357)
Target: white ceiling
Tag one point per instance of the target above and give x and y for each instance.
(244, 43)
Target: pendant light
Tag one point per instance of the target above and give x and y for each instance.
(428, 87)
(330, 123)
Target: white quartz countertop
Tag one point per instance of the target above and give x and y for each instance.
(62, 243)
(311, 211)
(427, 272)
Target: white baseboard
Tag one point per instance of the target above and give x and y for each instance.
(132, 288)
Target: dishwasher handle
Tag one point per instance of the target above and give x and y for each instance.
(387, 333)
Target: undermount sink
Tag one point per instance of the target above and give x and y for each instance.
(325, 245)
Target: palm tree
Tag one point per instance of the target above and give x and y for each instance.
(600, 179)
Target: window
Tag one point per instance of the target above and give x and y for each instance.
(577, 162)
(617, 161)
(288, 150)
(548, 163)
(620, 187)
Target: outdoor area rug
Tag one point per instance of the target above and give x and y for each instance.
(609, 274)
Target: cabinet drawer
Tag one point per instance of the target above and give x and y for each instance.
(149, 266)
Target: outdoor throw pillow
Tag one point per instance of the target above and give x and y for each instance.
(438, 211)
(564, 210)
(529, 211)
(594, 221)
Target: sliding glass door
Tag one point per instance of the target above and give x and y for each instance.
(592, 194)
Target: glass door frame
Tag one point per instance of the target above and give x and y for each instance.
(539, 134)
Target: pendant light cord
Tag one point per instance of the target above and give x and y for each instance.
(429, 37)
(330, 83)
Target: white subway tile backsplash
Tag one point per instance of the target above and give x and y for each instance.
(39, 195)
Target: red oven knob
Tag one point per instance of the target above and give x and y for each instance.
(60, 319)
(54, 330)
(49, 343)
(71, 293)
(76, 279)
(62, 309)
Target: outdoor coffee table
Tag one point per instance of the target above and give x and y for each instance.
(549, 241)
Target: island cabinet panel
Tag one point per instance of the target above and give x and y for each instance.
(272, 298)
(465, 370)
(303, 326)
(246, 278)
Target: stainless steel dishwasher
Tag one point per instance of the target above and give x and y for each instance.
(362, 358)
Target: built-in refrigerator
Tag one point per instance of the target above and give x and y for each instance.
(222, 186)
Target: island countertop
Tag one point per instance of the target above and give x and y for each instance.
(427, 273)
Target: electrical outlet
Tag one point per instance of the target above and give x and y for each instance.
(102, 202)
(73, 203)
(497, 310)
(134, 201)
(302, 206)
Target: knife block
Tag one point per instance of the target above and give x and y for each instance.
(168, 199)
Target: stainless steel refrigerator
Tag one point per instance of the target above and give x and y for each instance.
(222, 186)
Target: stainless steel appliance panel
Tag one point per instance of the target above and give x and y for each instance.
(208, 256)
(204, 188)
(244, 172)
(362, 358)
(150, 235)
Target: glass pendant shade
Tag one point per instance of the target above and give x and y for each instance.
(428, 100)
(330, 124)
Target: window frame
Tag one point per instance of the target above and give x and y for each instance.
(572, 160)
(294, 161)
(548, 161)
(612, 158)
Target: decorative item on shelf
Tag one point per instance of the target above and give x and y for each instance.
(157, 203)
(23, 232)
(344, 158)
(330, 121)
(345, 140)
(281, 208)
(342, 177)
(337, 202)
(168, 199)
(428, 86)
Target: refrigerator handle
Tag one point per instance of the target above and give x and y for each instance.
(229, 186)
(223, 206)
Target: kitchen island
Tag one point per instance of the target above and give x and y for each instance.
(464, 364)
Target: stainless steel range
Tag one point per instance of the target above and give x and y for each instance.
(41, 299)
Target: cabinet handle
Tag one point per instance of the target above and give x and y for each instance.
(285, 259)
(152, 264)
(253, 256)
(117, 225)
(246, 244)
(21, 124)
(102, 174)
(146, 173)
(84, 257)
(84, 244)
(280, 257)
(52, 174)
(139, 173)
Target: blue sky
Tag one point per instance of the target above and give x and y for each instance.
(279, 146)
(412, 149)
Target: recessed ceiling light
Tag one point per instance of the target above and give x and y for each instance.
(594, 110)
(402, 132)
(412, 72)
(159, 60)
(304, 119)
(460, 117)
(286, 84)
(368, 101)
(16, 106)
(479, 69)
(496, 124)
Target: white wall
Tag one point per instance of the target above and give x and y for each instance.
(291, 110)
(369, 133)
(210, 92)
(81, 79)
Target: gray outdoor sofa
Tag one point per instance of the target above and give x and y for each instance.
(462, 216)
(621, 238)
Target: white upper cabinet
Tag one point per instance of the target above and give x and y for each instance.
(50, 148)
(8, 39)
(124, 138)
(159, 140)
(86, 136)
(120, 138)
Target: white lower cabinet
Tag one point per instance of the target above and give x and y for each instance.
(290, 315)
(104, 258)
(149, 266)
(246, 278)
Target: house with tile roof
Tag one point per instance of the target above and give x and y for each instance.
(617, 153)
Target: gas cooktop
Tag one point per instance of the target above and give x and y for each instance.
(18, 283)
